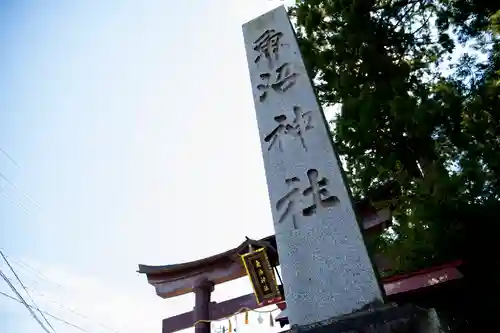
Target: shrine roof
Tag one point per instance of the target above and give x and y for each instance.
(368, 208)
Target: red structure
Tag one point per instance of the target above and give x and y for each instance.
(202, 275)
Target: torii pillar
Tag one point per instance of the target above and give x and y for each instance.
(202, 291)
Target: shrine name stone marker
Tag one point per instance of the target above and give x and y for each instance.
(325, 265)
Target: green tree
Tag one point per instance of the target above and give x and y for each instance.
(411, 113)
(418, 84)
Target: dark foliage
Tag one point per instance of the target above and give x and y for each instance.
(418, 85)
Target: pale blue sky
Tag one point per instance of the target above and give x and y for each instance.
(133, 126)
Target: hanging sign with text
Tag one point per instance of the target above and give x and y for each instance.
(262, 277)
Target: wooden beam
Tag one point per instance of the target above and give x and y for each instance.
(177, 323)
(217, 311)
(166, 289)
(424, 280)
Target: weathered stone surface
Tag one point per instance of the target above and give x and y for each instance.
(324, 262)
(385, 319)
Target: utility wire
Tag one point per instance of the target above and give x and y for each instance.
(62, 306)
(48, 314)
(21, 299)
(40, 276)
(26, 290)
(32, 270)
(15, 202)
(9, 157)
(14, 185)
(21, 191)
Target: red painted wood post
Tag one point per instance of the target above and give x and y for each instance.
(202, 291)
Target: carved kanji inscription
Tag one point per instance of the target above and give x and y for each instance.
(305, 200)
(279, 81)
(296, 128)
(268, 45)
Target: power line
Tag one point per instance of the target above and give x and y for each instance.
(41, 276)
(15, 202)
(32, 270)
(26, 290)
(62, 306)
(20, 191)
(21, 299)
(14, 185)
(48, 314)
(9, 157)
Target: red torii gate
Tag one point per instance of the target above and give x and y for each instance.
(202, 275)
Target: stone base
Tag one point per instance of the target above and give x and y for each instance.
(382, 319)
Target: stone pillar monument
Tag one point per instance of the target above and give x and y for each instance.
(325, 264)
(327, 272)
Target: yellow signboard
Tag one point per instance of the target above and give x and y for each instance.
(262, 277)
